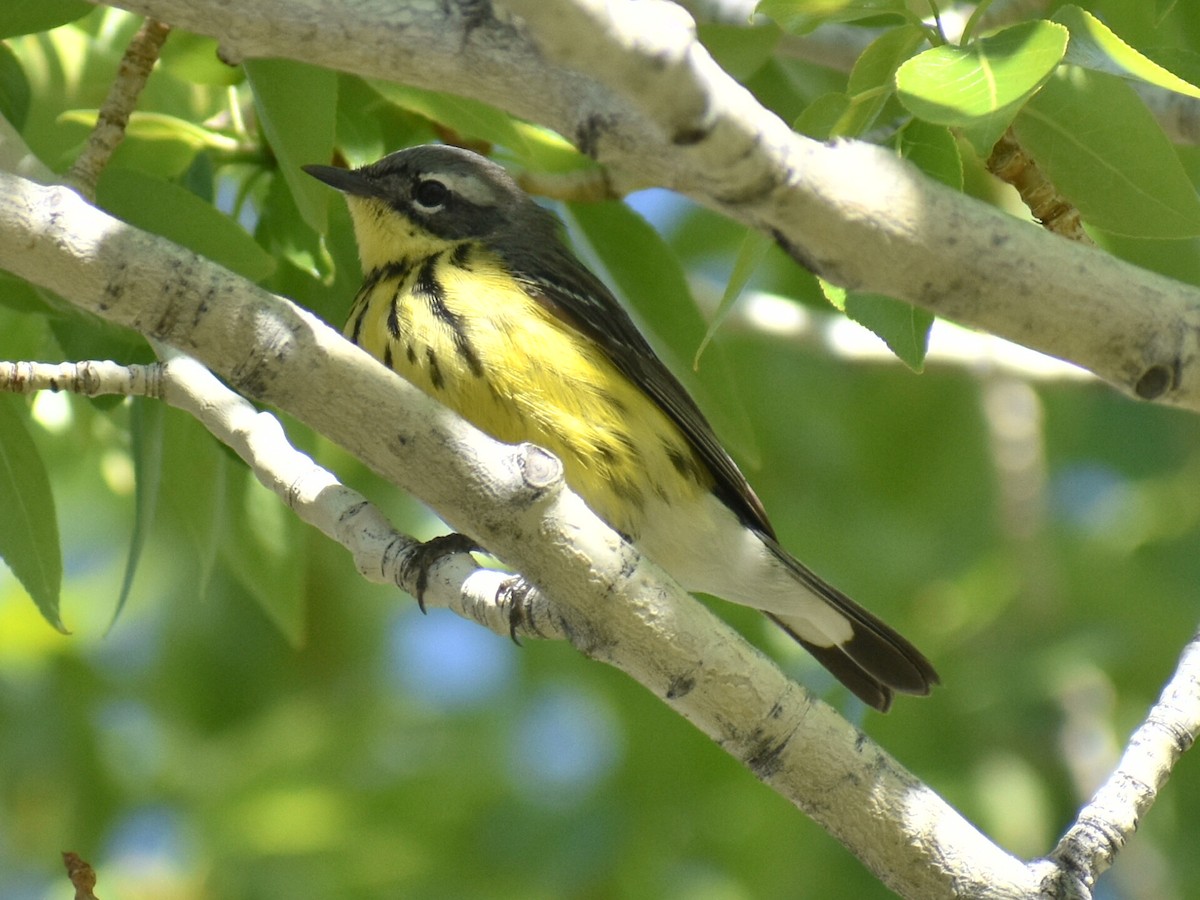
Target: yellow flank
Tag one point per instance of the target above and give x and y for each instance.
(501, 360)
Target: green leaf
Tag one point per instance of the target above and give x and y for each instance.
(361, 116)
(835, 294)
(264, 548)
(297, 104)
(1103, 150)
(157, 143)
(787, 88)
(195, 58)
(1184, 63)
(28, 526)
(1162, 9)
(14, 88)
(193, 488)
(904, 328)
(1094, 46)
(532, 145)
(32, 16)
(82, 335)
(820, 118)
(802, 16)
(750, 256)
(933, 149)
(870, 86)
(20, 296)
(872, 80)
(181, 216)
(286, 235)
(981, 87)
(739, 50)
(647, 275)
(146, 431)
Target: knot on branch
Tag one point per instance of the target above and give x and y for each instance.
(1156, 380)
(540, 469)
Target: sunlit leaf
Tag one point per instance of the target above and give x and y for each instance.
(981, 87)
(1094, 46)
(532, 145)
(903, 327)
(835, 294)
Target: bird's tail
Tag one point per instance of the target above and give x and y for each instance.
(875, 662)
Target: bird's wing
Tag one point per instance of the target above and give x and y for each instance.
(576, 296)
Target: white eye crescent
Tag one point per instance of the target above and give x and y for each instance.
(431, 194)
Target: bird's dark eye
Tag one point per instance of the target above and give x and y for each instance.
(431, 194)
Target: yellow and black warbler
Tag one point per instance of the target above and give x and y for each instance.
(471, 294)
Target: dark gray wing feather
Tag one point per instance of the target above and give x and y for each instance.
(575, 295)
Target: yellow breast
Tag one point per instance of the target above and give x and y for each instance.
(458, 327)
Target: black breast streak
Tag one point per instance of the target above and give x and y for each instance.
(387, 356)
(435, 371)
(431, 289)
(397, 269)
(393, 316)
(359, 312)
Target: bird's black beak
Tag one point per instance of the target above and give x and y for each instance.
(348, 181)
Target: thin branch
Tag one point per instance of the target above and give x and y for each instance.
(1010, 162)
(382, 555)
(1109, 820)
(113, 116)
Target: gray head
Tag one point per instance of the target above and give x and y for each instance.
(449, 194)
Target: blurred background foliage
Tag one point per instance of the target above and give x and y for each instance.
(259, 722)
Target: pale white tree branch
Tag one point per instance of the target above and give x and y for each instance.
(950, 345)
(1109, 820)
(615, 606)
(641, 95)
(382, 554)
(859, 216)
